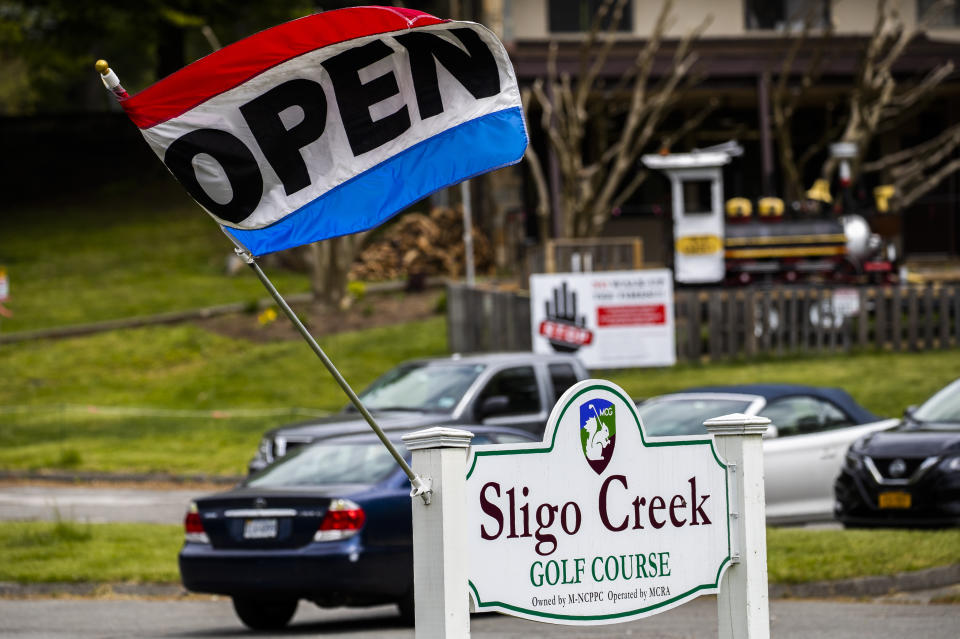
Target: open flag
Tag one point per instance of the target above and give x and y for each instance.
(331, 124)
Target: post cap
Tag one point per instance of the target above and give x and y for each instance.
(102, 67)
(437, 437)
(737, 424)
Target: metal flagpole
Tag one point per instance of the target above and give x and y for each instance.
(420, 486)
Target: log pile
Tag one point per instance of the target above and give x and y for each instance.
(421, 245)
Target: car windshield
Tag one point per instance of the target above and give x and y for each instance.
(685, 416)
(332, 463)
(435, 388)
(942, 408)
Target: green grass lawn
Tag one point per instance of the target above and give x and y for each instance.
(79, 552)
(129, 250)
(98, 402)
(798, 555)
(104, 402)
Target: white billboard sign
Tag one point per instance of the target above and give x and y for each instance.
(598, 523)
(611, 319)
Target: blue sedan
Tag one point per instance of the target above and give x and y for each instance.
(330, 524)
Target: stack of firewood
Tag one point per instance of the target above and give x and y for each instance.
(420, 244)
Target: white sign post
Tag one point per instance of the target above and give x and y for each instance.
(596, 524)
(743, 607)
(439, 534)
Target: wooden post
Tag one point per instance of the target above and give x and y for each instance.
(896, 316)
(862, 321)
(956, 315)
(750, 322)
(912, 320)
(880, 334)
(693, 326)
(441, 597)
(944, 318)
(715, 320)
(743, 606)
(730, 318)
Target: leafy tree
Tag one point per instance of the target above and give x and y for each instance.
(47, 47)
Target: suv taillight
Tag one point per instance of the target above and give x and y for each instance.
(344, 519)
(193, 527)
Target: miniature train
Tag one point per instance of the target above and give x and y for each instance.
(725, 242)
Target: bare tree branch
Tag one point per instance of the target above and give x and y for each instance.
(927, 185)
(594, 170)
(539, 177)
(874, 98)
(951, 135)
(785, 98)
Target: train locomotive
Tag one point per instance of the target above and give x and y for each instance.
(717, 241)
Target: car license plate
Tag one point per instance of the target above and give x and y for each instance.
(260, 529)
(894, 499)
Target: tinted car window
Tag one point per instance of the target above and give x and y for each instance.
(519, 386)
(801, 415)
(366, 463)
(562, 376)
(419, 386)
(943, 407)
(685, 416)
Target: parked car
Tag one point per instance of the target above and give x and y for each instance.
(909, 475)
(506, 389)
(329, 523)
(811, 428)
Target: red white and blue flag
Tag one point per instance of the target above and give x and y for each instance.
(331, 124)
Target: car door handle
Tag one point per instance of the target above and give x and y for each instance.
(829, 453)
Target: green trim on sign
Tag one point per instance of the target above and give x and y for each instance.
(638, 611)
(633, 413)
(613, 615)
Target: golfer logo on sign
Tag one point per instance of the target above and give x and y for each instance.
(598, 432)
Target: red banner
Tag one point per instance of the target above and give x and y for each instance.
(638, 315)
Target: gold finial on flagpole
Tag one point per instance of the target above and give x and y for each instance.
(110, 79)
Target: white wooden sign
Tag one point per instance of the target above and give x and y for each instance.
(598, 523)
(610, 319)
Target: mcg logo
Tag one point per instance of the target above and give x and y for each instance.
(598, 432)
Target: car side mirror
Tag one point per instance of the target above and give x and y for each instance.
(909, 411)
(493, 405)
(771, 432)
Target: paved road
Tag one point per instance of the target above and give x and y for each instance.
(88, 619)
(94, 504)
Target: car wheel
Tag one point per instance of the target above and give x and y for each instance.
(405, 606)
(264, 614)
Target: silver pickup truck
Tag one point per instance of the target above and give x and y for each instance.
(506, 389)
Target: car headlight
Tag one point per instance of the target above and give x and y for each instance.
(853, 461)
(951, 464)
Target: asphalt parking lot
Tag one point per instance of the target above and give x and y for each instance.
(88, 619)
(97, 504)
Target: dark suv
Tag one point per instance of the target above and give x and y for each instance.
(907, 476)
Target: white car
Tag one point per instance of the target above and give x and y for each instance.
(811, 428)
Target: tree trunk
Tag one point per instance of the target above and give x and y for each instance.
(330, 266)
